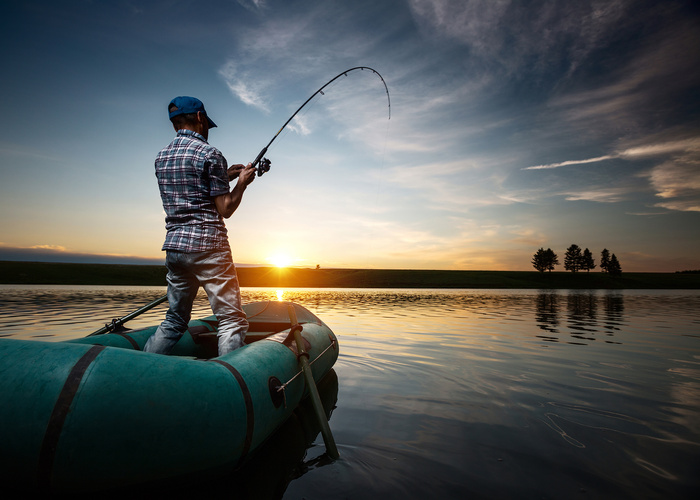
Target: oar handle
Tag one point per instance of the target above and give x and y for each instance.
(120, 321)
(331, 448)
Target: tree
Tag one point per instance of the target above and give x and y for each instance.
(538, 261)
(614, 267)
(572, 258)
(552, 260)
(605, 260)
(545, 260)
(587, 261)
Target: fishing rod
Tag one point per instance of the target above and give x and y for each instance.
(263, 164)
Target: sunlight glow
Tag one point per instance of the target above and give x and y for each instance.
(280, 260)
(280, 295)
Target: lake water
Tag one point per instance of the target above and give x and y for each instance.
(462, 393)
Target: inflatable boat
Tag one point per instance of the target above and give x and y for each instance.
(97, 412)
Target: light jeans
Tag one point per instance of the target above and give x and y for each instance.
(215, 272)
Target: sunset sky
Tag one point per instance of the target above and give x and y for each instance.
(514, 125)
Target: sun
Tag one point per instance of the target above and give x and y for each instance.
(280, 260)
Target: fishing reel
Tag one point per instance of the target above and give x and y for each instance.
(263, 166)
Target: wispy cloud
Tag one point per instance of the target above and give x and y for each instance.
(571, 162)
(243, 86)
(681, 146)
(514, 35)
(602, 195)
(299, 125)
(687, 145)
(56, 248)
(648, 89)
(677, 182)
(269, 43)
(676, 179)
(253, 5)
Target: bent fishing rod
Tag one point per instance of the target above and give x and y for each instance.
(263, 164)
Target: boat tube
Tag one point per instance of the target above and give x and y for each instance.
(97, 412)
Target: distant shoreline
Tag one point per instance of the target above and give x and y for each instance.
(45, 273)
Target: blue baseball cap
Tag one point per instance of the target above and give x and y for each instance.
(185, 105)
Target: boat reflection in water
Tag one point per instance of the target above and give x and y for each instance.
(282, 458)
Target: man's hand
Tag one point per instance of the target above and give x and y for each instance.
(234, 171)
(246, 174)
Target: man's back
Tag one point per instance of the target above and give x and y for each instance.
(190, 174)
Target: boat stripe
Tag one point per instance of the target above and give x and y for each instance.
(59, 414)
(133, 343)
(250, 417)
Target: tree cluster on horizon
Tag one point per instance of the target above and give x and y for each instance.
(576, 260)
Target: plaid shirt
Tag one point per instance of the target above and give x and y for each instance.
(190, 174)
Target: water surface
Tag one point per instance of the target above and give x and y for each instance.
(466, 393)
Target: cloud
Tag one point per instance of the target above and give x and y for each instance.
(572, 162)
(57, 248)
(253, 5)
(58, 253)
(471, 22)
(602, 195)
(677, 182)
(687, 145)
(518, 36)
(299, 125)
(292, 49)
(679, 146)
(649, 88)
(454, 186)
(244, 87)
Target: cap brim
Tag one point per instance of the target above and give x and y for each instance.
(211, 123)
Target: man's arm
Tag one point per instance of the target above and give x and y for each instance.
(227, 203)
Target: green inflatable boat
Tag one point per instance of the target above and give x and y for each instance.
(97, 412)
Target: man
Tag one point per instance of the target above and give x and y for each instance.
(194, 186)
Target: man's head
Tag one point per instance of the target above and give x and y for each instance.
(184, 112)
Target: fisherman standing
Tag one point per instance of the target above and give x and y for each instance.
(193, 178)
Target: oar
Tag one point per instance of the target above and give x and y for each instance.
(303, 356)
(116, 323)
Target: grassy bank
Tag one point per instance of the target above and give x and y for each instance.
(113, 274)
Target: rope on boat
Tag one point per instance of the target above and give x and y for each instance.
(282, 387)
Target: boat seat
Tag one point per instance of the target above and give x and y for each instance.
(257, 330)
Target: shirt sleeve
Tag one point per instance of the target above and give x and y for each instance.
(218, 174)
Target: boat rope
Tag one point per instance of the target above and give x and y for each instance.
(260, 312)
(282, 387)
